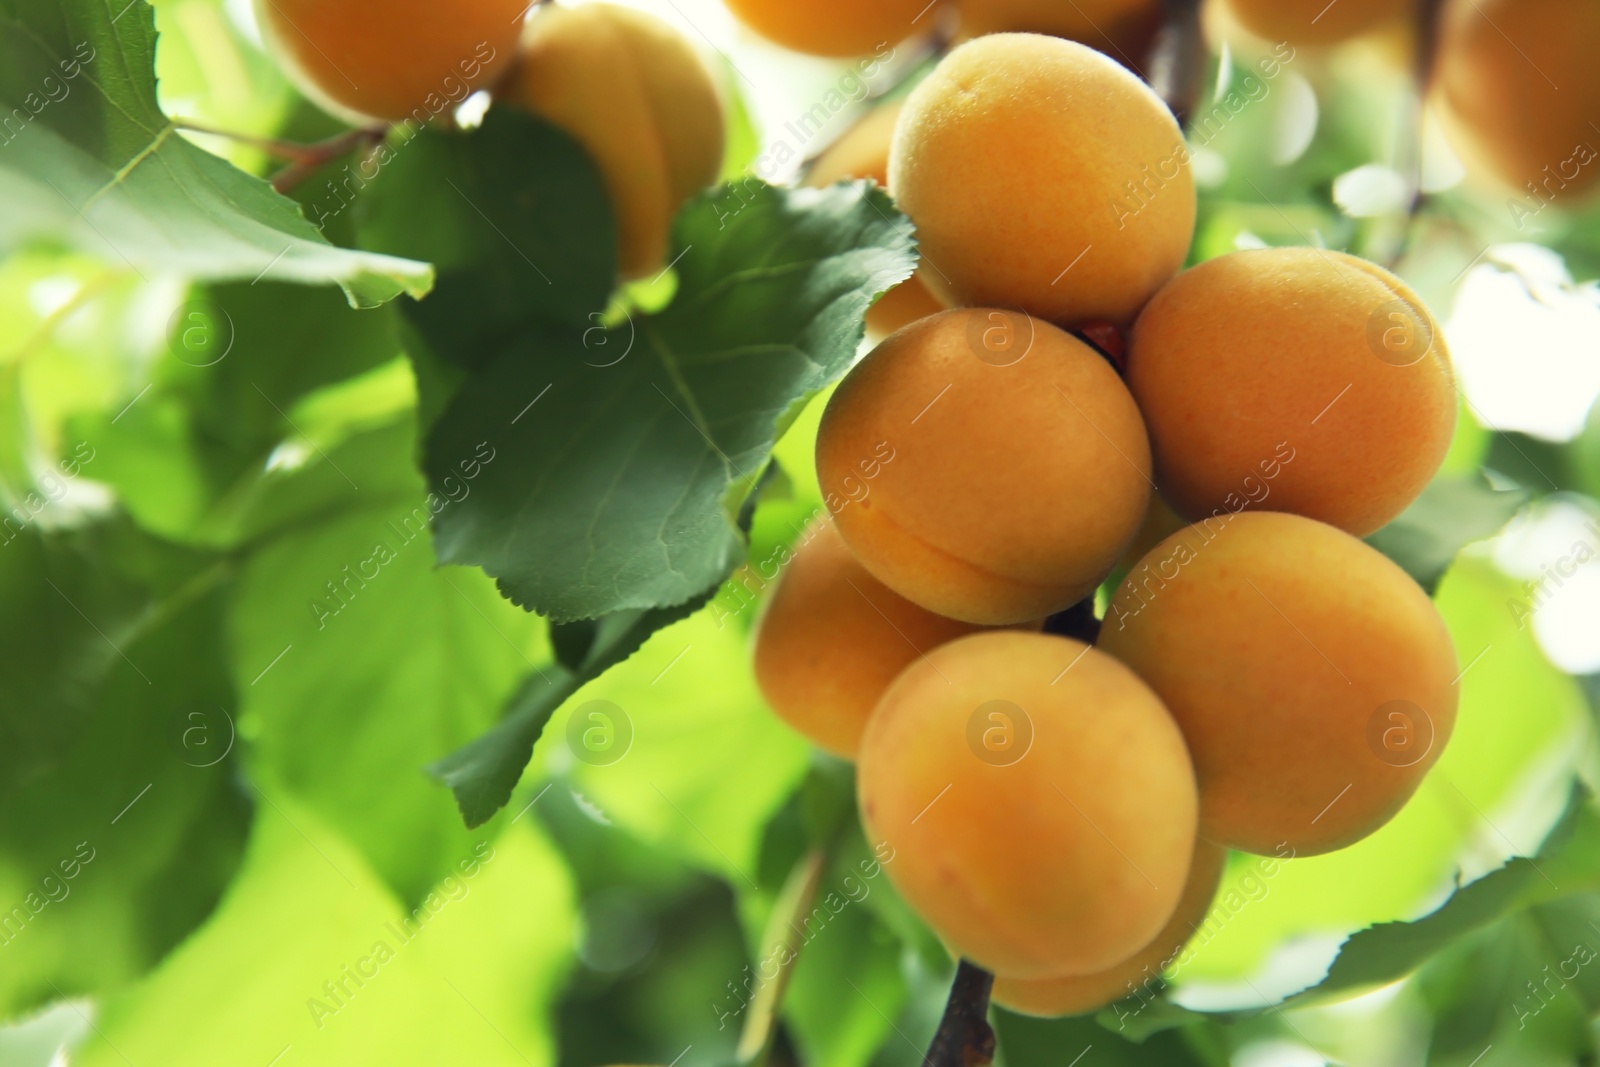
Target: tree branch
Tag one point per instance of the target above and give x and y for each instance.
(964, 1037)
(1178, 60)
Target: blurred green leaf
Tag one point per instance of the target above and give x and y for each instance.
(1450, 514)
(632, 448)
(95, 164)
(114, 849)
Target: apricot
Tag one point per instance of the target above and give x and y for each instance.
(1313, 679)
(985, 465)
(1044, 176)
(1038, 801)
(835, 27)
(1519, 92)
(1315, 22)
(863, 152)
(366, 60)
(638, 97)
(1293, 379)
(832, 638)
(1122, 29)
(1138, 974)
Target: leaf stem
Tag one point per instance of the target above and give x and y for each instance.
(964, 1037)
(782, 939)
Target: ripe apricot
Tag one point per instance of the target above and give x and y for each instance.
(1044, 176)
(1315, 22)
(863, 152)
(1313, 679)
(1293, 379)
(638, 97)
(835, 27)
(1122, 29)
(1519, 91)
(832, 638)
(1038, 800)
(1140, 973)
(985, 465)
(364, 60)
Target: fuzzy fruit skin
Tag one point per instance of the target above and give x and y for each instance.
(1260, 376)
(1054, 997)
(1015, 157)
(637, 96)
(1315, 22)
(863, 152)
(1518, 87)
(1009, 491)
(1065, 860)
(1122, 29)
(832, 638)
(366, 61)
(1278, 644)
(834, 27)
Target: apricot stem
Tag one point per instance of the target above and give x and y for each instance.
(964, 1037)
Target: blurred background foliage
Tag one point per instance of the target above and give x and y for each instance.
(264, 874)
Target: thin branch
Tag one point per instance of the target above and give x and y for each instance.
(1430, 14)
(1178, 60)
(964, 1037)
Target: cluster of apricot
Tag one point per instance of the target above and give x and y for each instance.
(1262, 680)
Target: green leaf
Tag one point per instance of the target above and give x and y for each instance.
(114, 851)
(483, 773)
(514, 217)
(1030, 1042)
(1450, 514)
(1567, 864)
(631, 449)
(87, 159)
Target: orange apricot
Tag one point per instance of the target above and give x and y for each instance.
(863, 152)
(367, 61)
(1044, 176)
(1122, 29)
(1051, 997)
(636, 95)
(1037, 801)
(1315, 22)
(1519, 92)
(835, 27)
(832, 637)
(1293, 379)
(1313, 679)
(985, 465)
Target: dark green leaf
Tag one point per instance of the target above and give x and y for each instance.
(628, 462)
(483, 773)
(1029, 1042)
(1449, 515)
(88, 159)
(515, 219)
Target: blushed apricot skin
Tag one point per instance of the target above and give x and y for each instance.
(1065, 856)
(834, 27)
(1281, 647)
(367, 61)
(832, 637)
(863, 152)
(1122, 29)
(985, 465)
(1293, 379)
(1052, 997)
(1315, 22)
(1044, 176)
(1518, 86)
(638, 97)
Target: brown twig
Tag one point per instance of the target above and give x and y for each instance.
(1178, 60)
(964, 1037)
(1425, 64)
(324, 152)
